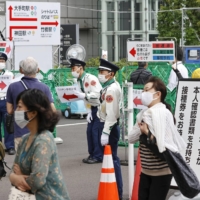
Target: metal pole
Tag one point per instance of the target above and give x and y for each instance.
(130, 146)
(182, 26)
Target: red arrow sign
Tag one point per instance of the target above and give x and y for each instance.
(132, 52)
(2, 85)
(20, 27)
(8, 49)
(19, 19)
(49, 23)
(137, 101)
(69, 96)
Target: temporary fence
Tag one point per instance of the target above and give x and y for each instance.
(62, 77)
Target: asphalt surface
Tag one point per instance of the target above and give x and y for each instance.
(82, 180)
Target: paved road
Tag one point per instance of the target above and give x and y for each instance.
(82, 180)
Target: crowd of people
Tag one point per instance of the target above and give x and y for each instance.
(36, 166)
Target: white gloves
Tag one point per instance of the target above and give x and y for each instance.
(104, 139)
(80, 95)
(89, 117)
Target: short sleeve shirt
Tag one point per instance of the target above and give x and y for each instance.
(16, 88)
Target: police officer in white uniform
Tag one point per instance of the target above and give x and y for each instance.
(90, 92)
(109, 113)
(8, 138)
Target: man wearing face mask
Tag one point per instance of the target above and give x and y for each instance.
(8, 138)
(90, 92)
(109, 113)
(29, 67)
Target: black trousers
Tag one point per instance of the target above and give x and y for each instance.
(154, 187)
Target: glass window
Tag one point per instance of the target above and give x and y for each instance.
(110, 47)
(138, 16)
(124, 19)
(123, 45)
(110, 16)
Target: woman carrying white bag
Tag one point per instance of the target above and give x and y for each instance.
(36, 168)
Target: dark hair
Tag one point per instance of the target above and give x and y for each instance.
(141, 64)
(36, 100)
(159, 85)
(179, 54)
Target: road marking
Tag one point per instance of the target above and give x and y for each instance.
(71, 124)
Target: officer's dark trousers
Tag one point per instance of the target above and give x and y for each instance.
(94, 131)
(8, 138)
(113, 142)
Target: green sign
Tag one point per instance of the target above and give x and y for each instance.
(2, 49)
(163, 51)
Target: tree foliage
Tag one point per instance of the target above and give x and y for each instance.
(94, 62)
(170, 22)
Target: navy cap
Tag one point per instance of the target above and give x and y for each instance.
(3, 56)
(76, 62)
(105, 65)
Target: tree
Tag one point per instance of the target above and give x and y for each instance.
(170, 22)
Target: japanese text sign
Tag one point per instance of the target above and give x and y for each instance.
(66, 93)
(137, 103)
(33, 23)
(5, 81)
(156, 51)
(6, 47)
(187, 114)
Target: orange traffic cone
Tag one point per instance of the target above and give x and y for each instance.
(108, 186)
(137, 178)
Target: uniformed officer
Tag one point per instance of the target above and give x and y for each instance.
(90, 93)
(109, 113)
(8, 138)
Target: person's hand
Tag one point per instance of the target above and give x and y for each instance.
(104, 139)
(80, 95)
(20, 182)
(143, 127)
(89, 117)
(17, 169)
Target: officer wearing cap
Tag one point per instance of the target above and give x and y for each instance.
(8, 138)
(89, 91)
(109, 113)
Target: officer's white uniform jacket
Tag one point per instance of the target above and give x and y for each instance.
(109, 109)
(90, 85)
(7, 73)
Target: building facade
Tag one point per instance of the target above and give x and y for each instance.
(108, 24)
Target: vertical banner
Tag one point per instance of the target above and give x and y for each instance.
(187, 116)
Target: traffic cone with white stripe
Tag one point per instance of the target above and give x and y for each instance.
(108, 186)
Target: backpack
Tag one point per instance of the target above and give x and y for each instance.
(2, 162)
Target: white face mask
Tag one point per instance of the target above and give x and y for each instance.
(75, 74)
(102, 78)
(2, 65)
(20, 118)
(147, 98)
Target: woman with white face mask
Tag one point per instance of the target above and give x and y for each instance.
(155, 129)
(36, 167)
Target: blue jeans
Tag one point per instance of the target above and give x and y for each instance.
(94, 131)
(113, 142)
(8, 138)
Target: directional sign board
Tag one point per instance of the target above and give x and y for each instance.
(33, 23)
(156, 51)
(66, 93)
(5, 81)
(137, 103)
(6, 47)
(187, 114)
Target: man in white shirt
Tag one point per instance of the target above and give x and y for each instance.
(173, 79)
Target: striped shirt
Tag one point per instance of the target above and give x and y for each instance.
(140, 76)
(152, 165)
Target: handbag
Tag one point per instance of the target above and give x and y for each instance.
(184, 176)
(16, 194)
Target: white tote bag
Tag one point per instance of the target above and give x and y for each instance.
(16, 194)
